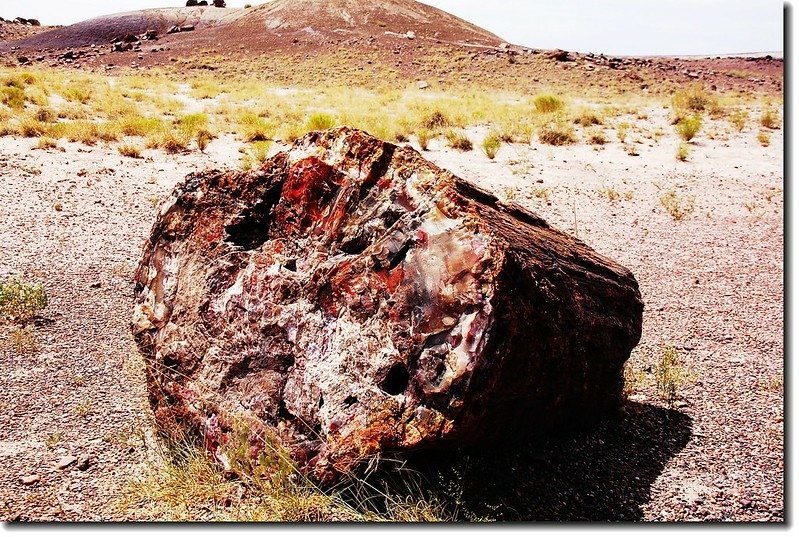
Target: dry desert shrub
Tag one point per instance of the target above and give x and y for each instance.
(547, 104)
(679, 207)
(770, 119)
(688, 127)
(491, 145)
(129, 150)
(21, 301)
(458, 141)
(682, 152)
(556, 132)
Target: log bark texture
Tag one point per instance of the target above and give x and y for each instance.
(353, 298)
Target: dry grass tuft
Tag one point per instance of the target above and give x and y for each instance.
(128, 150)
(491, 145)
(556, 133)
(679, 207)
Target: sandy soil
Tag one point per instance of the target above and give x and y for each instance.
(712, 284)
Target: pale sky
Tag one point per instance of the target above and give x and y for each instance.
(622, 27)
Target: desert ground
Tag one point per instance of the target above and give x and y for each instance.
(698, 221)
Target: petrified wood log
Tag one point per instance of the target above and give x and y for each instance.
(354, 298)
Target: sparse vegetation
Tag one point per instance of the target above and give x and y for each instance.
(688, 127)
(540, 192)
(770, 119)
(634, 379)
(424, 136)
(679, 207)
(20, 301)
(588, 118)
(46, 143)
(52, 440)
(556, 133)
(682, 152)
(547, 104)
(320, 122)
(458, 141)
(185, 480)
(84, 408)
(22, 341)
(692, 99)
(596, 137)
(622, 131)
(738, 119)
(670, 375)
(128, 150)
(256, 155)
(764, 138)
(611, 194)
(491, 145)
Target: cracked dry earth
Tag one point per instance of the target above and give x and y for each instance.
(712, 285)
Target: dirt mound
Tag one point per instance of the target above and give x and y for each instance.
(273, 25)
(336, 19)
(108, 28)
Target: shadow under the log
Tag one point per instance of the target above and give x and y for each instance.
(604, 474)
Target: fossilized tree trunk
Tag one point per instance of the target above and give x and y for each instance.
(355, 298)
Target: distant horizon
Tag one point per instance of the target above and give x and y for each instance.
(611, 27)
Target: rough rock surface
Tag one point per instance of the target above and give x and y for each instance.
(355, 298)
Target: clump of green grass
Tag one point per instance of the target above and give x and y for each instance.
(170, 140)
(13, 97)
(491, 145)
(458, 141)
(256, 155)
(770, 119)
(688, 127)
(669, 375)
(77, 94)
(204, 89)
(20, 301)
(679, 207)
(424, 136)
(547, 104)
(622, 130)
(87, 132)
(682, 152)
(320, 122)
(137, 125)
(128, 150)
(556, 133)
(254, 128)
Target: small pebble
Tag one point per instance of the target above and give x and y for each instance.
(29, 480)
(66, 462)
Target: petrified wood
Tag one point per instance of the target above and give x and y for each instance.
(353, 298)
